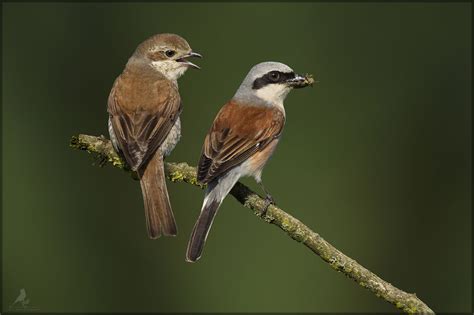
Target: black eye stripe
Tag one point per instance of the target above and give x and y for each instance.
(267, 79)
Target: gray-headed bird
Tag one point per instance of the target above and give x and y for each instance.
(242, 138)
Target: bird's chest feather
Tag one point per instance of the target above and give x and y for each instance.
(172, 139)
(255, 164)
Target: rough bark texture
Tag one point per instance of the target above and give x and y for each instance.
(182, 172)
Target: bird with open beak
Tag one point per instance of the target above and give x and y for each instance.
(242, 138)
(144, 107)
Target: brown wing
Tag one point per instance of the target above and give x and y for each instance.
(142, 114)
(236, 134)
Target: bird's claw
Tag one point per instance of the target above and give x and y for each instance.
(268, 201)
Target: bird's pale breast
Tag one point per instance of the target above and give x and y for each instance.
(256, 162)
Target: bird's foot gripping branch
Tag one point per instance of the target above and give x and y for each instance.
(182, 172)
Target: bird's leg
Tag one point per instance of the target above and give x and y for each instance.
(268, 199)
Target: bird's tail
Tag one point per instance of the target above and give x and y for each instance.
(158, 214)
(201, 230)
(215, 194)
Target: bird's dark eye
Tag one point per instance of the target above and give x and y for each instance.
(170, 53)
(274, 76)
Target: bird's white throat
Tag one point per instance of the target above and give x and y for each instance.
(274, 94)
(170, 69)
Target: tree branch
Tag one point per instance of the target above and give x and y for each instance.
(182, 172)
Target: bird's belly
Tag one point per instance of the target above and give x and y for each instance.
(255, 164)
(171, 139)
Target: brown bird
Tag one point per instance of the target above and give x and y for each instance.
(144, 107)
(242, 138)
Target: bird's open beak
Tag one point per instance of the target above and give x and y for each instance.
(300, 81)
(184, 61)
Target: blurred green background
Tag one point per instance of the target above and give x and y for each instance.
(376, 158)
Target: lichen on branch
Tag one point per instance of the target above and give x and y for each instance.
(182, 172)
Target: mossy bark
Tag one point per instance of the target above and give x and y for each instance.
(182, 172)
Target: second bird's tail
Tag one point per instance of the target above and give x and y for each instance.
(201, 230)
(215, 194)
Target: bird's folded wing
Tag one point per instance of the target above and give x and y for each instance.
(236, 134)
(141, 131)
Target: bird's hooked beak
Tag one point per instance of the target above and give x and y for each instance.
(186, 62)
(300, 81)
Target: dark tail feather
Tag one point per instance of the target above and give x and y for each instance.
(201, 229)
(158, 213)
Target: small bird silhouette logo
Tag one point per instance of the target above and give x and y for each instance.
(21, 299)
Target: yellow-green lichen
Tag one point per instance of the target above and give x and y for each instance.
(103, 151)
(285, 224)
(193, 181)
(176, 176)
